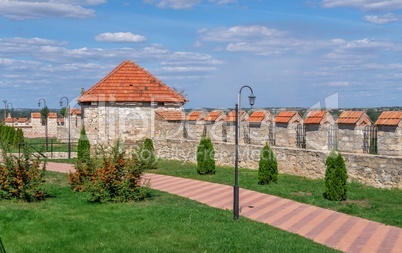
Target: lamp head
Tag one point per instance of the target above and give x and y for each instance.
(61, 103)
(251, 99)
(39, 104)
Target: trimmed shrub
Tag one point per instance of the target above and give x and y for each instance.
(267, 167)
(21, 178)
(19, 137)
(111, 176)
(146, 155)
(205, 157)
(84, 147)
(78, 179)
(336, 177)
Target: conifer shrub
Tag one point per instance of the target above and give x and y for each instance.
(84, 147)
(267, 166)
(19, 137)
(205, 157)
(21, 177)
(146, 155)
(336, 177)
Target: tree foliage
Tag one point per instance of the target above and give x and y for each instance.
(21, 177)
(10, 135)
(111, 176)
(336, 177)
(205, 157)
(267, 167)
(146, 155)
(84, 147)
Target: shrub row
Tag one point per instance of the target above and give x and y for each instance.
(21, 177)
(112, 175)
(11, 135)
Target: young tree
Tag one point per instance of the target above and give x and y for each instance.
(63, 111)
(19, 137)
(205, 157)
(84, 147)
(267, 167)
(335, 178)
(146, 158)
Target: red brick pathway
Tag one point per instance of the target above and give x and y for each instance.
(336, 230)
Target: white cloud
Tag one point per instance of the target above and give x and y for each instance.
(383, 19)
(338, 83)
(367, 5)
(120, 37)
(174, 4)
(222, 1)
(184, 4)
(239, 33)
(25, 9)
(187, 69)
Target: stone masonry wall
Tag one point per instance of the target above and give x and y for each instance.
(350, 139)
(374, 170)
(389, 141)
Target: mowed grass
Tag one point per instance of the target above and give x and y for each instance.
(381, 205)
(67, 222)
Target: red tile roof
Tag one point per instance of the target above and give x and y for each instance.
(22, 120)
(285, 116)
(195, 115)
(11, 120)
(170, 115)
(314, 117)
(231, 117)
(389, 118)
(128, 82)
(52, 115)
(257, 116)
(213, 116)
(75, 111)
(350, 117)
(36, 115)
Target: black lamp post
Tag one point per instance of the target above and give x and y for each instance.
(12, 120)
(5, 110)
(69, 124)
(44, 106)
(251, 98)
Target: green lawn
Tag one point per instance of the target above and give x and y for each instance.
(54, 145)
(67, 222)
(371, 203)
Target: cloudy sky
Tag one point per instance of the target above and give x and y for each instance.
(292, 53)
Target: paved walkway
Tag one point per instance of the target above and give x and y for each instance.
(336, 230)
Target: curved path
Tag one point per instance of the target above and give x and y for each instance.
(333, 229)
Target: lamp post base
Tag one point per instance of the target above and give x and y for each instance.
(236, 202)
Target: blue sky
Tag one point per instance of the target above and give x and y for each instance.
(292, 53)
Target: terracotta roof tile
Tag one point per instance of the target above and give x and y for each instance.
(36, 115)
(350, 117)
(11, 120)
(213, 115)
(389, 118)
(231, 117)
(75, 111)
(23, 120)
(285, 116)
(128, 82)
(52, 115)
(314, 117)
(257, 116)
(195, 115)
(170, 115)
